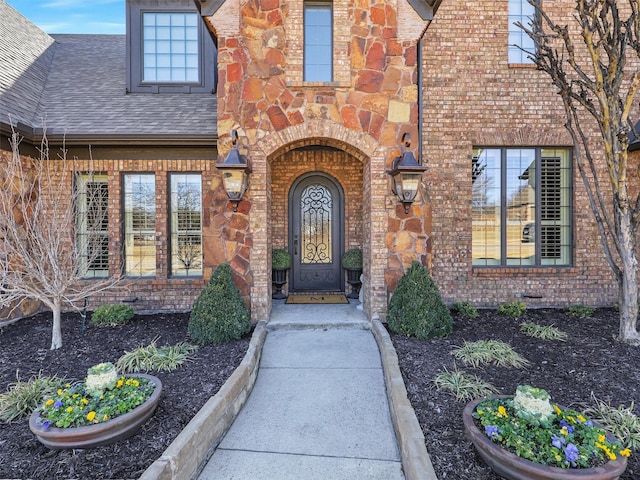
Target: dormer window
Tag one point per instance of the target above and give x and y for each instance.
(169, 49)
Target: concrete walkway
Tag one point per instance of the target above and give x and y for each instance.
(319, 407)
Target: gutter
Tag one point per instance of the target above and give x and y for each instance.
(34, 136)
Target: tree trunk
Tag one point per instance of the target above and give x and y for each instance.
(56, 333)
(628, 283)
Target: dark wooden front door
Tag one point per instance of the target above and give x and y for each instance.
(316, 238)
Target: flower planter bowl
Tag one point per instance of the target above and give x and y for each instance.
(512, 467)
(105, 433)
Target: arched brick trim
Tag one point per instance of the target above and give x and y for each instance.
(359, 145)
(313, 131)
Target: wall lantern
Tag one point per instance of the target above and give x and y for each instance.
(406, 173)
(235, 173)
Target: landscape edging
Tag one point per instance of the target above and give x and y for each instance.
(187, 454)
(416, 462)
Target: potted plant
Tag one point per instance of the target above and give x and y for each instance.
(352, 263)
(105, 408)
(280, 263)
(525, 436)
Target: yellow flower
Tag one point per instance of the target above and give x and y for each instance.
(85, 401)
(91, 415)
(69, 409)
(59, 391)
(582, 419)
(564, 431)
(119, 384)
(625, 453)
(601, 438)
(75, 395)
(502, 412)
(105, 417)
(571, 419)
(49, 402)
(611, 455)
(558, 458)
(557, 409)
(480, 412)
(136, 383)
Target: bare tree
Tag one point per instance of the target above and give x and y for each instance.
(40, 256)
(599, 77)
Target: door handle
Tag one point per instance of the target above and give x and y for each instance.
(295, 245)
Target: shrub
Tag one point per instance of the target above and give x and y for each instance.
(547, 332)
(464, 386)
(416, 308)
(582, 311)
(512, 309)
(352, 259)
(109, 315)
(154, 358)
(280, 258)
(465, 309)
(620, 421)
(219, 313)
(23, 398)
(485, 352)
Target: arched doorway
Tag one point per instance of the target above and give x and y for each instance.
(316, 233)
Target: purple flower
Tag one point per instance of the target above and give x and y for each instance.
(58, 404)
(46, 424)
(589, 423)
(567, 426)
(571, 454)
(558, 442)
(491, 431)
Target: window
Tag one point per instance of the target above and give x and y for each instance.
(140, 225)
(520, 11)
(169, 48)
(186, 225)
(92, 221)
(318, 47)
(521, 207)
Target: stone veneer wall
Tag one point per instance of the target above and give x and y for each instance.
(365, 111)
(473, 97)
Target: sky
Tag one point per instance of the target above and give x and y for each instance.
(74, 16)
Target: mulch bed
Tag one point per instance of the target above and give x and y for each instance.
(591, 360)
(24, 352)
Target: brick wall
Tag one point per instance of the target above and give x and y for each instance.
(472, 97)
(225, 234)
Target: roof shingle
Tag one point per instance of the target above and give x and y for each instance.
(76, 85)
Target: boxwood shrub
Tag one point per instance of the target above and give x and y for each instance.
(416, 308)
(219, 313)
(106, 315)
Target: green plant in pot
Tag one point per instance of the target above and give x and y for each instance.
(280, 263)
(352, 263)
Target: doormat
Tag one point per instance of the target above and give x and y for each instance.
(317, 298)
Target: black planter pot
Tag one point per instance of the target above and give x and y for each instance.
(278, 278)
(353, 278)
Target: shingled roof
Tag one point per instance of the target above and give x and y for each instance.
(76, 85)
(26, 53)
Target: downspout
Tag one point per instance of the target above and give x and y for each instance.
(419, 81)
